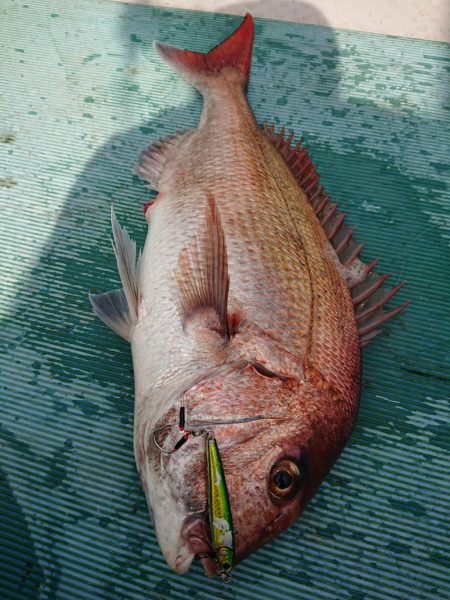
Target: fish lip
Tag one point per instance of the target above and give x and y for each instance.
(194, 535)
(209, 565)
(194, 531)
(178, 558)
(193, 543)
(183, 561)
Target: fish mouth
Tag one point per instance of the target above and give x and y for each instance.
(196, 545)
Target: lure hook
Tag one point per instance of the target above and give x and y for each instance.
(185, 433)
(181, 426)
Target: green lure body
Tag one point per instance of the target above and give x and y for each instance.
(220, 519)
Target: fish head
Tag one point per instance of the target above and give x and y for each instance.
(278, 437)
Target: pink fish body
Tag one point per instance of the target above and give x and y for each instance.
(247, 308)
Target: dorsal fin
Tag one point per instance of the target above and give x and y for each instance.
(202, 271)
(366, 287)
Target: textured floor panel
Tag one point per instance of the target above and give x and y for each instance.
(82, 92)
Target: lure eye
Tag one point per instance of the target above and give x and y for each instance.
(286, 478)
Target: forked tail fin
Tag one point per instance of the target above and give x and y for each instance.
(235, 52)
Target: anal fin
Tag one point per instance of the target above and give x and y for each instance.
(366, 286)
(202, 271)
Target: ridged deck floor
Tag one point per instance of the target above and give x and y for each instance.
(81, 94)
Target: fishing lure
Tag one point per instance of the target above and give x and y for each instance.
(220, 518)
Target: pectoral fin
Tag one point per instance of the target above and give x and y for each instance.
(112, 309)
(127, 264)
(119, 309)
(202, 271)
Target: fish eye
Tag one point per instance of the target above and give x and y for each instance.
(285, 480)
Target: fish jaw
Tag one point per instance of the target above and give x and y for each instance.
(168, 509)
(174, 483)
(168, 516)
(182, 535)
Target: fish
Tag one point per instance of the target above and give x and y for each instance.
(246, 313)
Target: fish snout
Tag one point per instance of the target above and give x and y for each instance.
(195, 533)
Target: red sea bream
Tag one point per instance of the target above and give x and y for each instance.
(245, 312)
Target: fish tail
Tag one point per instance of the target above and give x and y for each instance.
(235, 52)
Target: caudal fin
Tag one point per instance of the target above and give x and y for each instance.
(235, 52)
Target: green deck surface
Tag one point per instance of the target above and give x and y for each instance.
(81, 94)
